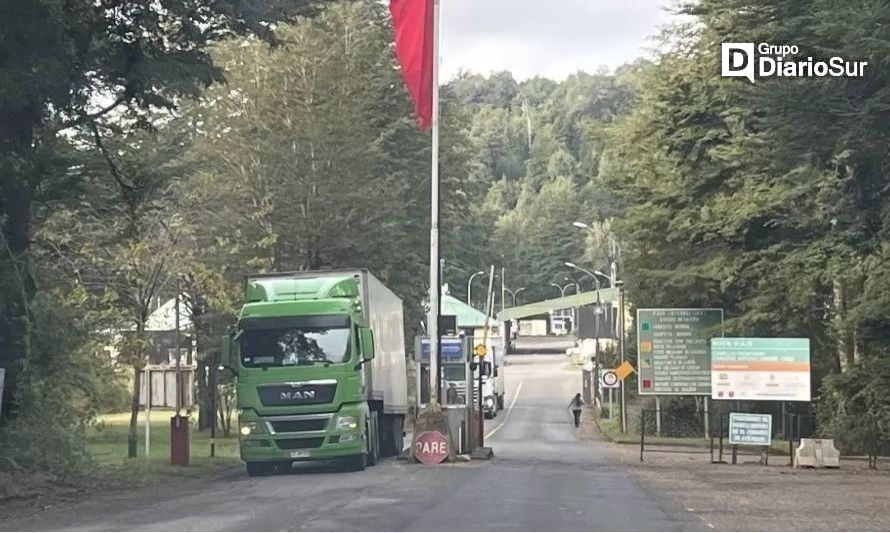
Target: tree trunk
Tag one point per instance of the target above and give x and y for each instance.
(845, 358)
(205, 395)
(133, 437)
(17, 289)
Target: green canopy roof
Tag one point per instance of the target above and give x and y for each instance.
(567, 302)
(467, 317)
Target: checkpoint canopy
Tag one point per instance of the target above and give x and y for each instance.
(567, 302)
(674, 350)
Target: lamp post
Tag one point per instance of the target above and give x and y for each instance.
(561, 289)
(514, 293)
(470, 286)
(614, 252)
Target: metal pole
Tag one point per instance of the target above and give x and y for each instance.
(178, 356)
(489, 298)
(147, 412)
(434, 219)
(621, 349)
(214, 379)
(707, 425)
(503, 324)
(470, 288)
(611, 412)
(439, 333)
(658, 416)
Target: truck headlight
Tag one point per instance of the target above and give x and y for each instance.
(248, 427)
(346, 422)
(489, 402)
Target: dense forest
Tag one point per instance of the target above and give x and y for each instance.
(215, 147)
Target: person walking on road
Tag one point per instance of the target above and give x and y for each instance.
(575, 405)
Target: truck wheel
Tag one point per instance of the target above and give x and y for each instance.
(373, 440)
(501, 402)
(397, 429)
(260, 469)
(356, 463)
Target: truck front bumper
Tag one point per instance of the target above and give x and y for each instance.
(303, 437)
(264, 448)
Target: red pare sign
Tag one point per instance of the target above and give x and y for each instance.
(431, 447)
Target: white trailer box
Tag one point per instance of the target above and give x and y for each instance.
(387, 378)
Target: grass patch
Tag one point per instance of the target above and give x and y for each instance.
(108, 445)
(611, 430)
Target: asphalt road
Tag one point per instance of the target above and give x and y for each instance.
(543, 478)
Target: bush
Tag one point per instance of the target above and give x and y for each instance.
(61, 388)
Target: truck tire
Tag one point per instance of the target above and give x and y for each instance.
(373, 439)
(357, 463)
(392, 435)
(501, 402)
(397, 430)
(259, 469)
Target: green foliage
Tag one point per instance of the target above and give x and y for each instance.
(64, 385)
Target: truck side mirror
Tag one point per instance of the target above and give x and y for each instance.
(366, 340)
(225, 351)
(368, 344)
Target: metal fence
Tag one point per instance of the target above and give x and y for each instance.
(694, 431)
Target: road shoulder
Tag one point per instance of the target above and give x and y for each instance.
(751, 497)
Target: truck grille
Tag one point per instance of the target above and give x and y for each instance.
(304, 393)
(294, 426)
(299, 444)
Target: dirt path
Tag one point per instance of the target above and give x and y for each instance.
(751, 497)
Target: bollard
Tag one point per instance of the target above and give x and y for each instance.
(179, 440)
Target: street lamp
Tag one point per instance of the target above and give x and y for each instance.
(470, 286)
(589, 273)
(559, 288)
(514, 293)
(615, 251)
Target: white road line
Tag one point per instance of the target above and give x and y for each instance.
(507, 414)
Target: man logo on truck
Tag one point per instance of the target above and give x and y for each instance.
(298, 395)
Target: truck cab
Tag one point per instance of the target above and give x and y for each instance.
(310, 353)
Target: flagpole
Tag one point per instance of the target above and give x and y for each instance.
(434, 220)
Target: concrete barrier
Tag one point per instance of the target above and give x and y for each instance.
(817, 453)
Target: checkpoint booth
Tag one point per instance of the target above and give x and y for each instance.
(455, 377)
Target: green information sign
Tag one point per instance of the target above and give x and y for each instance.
(673, 346)
(775, 369)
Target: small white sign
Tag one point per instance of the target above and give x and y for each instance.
(750, 429)
(609, 378)
(299, 454)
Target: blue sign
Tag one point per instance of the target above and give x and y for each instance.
(452, 349)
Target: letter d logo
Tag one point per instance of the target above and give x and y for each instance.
(738, 60)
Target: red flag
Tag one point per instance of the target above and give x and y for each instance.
(413, 22)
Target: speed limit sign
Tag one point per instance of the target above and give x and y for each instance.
(609, 379)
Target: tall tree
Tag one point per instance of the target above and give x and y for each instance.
(70, 64)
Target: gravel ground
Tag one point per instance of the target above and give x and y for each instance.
(751, 497)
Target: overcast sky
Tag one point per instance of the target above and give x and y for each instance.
(551, 38)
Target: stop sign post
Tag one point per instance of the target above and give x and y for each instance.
(431, 447)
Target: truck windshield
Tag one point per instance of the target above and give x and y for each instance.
(295, 344)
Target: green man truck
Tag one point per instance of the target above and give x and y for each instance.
(319, 360)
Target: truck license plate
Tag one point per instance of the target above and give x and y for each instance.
(299, 454)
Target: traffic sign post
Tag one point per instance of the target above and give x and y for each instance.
(431, 447)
